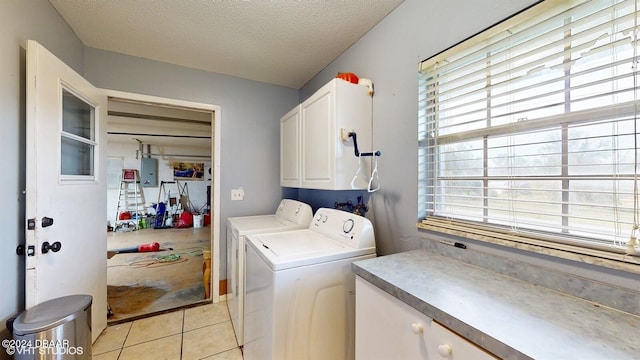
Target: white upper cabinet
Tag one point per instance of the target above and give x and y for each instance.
(290, 148)
(316, 151)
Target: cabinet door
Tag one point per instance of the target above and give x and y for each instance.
(290, 148)
(318, 138)
(387, 328)
(444, 344)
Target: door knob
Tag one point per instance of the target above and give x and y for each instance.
(55, 247)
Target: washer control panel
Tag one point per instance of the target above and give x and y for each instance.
(350, 229)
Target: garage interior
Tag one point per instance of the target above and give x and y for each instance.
(143, 280)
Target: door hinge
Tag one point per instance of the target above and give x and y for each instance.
(31, 224)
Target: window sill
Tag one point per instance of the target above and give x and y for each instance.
(513, 239)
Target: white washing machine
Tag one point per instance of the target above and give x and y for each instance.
(290, 215)
(300, 289)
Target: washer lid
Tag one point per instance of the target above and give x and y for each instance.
(300, 248)
(260, 223)
(300, 244)
(290, 214)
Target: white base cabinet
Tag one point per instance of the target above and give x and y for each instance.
(387, 328)
(315, 149)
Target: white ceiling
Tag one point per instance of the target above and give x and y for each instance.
(281, 42)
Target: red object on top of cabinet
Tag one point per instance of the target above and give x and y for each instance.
(350, 77)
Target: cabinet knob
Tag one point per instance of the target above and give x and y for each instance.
(417, 328)
(444, 350)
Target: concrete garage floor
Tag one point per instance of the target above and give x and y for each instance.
(147, 283)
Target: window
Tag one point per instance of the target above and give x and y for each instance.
(77, 139)
(528, 132)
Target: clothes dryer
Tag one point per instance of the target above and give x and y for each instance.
(300, 289)
(289, 215)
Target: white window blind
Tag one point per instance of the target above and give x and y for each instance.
(531, 127)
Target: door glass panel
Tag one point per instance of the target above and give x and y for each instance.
(78, 135)
(77, 158)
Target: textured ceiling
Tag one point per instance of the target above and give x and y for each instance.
(282, 42)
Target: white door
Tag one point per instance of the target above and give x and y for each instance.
(65, 182)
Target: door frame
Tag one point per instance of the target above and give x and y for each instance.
(215, 170)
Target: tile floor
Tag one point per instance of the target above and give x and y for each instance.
(203, 332)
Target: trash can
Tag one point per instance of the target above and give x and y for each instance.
(55, 329)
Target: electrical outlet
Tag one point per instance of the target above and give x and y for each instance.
(237, 194)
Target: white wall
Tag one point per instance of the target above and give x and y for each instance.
(21, 20)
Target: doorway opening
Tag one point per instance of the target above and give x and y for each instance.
(157, 254)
